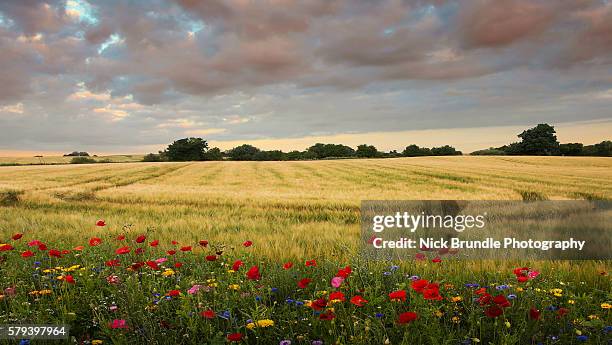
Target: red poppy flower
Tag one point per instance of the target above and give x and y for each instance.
(419, 285)
(211, 257)
(287, 265)
(436, 260)
(247, 243)
(562, 312)
(65, 251)
(112, 263)
(312, 263)
(484, 299)
(178, 265)
(501, 301)
(237, 264)
(493, 311)
(27, 254)
(253, 273)
(302, 284)
(17, 237)
(173, 293)
(208, 314)
(432, 294)
(153, 265)
(42, 246)
(203, 243)
(235, 337)
(186, 249)
(399, 295)
(358, 301)
(154, 243)
(137, 265)
(78, 248)
(55, 253)
(139, 251)
(344, 272)
(5, 248)
(123, 250)
(172, 252)
(121, 237)
(328, 315)
(69, 279)
(319, 304)
(522, 279)
(407, 317)
(337, 296)
(174, 242)
(95, 241)
(34, 243)
(141, 238)
(534, 314)
(419, 256)
(480, 291)
(100, 223)
(520, 270)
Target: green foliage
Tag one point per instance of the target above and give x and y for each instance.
(244, 152)
(187, 149)
(82, 160)
(603, 149)
(539, 141)
(213, 154)
(321, 151)
(416, 151)
(152, 157)
(366, 151)
(489, 152)
(571, 149)
(77, 154)
(445, 150)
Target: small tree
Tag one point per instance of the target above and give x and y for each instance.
(244, 152)
(187, 149)
(571, 149)
(213, 154)
(366, 151)
(415, 151)
(445, 150)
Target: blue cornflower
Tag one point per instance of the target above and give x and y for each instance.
(379, 315)
(387, 273)
(502, 287)
(289, 300)
(511, 296)
(582, 338)
(394, 268)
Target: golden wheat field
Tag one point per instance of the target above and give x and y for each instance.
(298, 209)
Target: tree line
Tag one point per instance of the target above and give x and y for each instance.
(196, 149)
(541, 140)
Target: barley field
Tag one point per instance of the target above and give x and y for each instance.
(298, 209)
(265, 253)
(7, 161)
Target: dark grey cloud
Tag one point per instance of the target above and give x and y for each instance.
(275, 68)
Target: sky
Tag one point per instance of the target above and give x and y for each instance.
(109, 76)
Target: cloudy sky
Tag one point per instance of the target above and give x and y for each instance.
(130, 76)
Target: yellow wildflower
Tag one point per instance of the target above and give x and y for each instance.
(606, 306)
(234, 287)
(96, 342)
(456, 299)
(168, 272)
(260, 323)
(593, 317)
(571, 301)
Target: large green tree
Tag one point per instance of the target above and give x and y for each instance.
(539, 141)
(187, 149)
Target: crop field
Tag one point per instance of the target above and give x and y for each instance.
(7, 161)
(203, 252)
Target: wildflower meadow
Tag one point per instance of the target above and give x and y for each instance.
(124, 286)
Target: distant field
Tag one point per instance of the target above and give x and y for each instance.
(298, 209)
(63, 160)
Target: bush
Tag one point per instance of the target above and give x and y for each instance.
(82, 160)
(152, 157)
(489, 152)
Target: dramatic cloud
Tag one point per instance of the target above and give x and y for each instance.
(131, 74)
